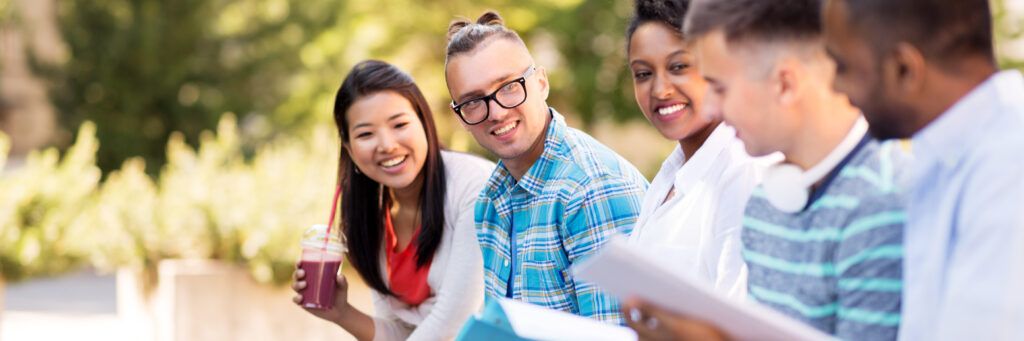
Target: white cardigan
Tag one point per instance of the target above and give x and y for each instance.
(696, 233)
(456, 272)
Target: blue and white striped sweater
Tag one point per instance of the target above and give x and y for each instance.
(838, 264)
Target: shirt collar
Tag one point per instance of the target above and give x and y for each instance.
(694, 168)
(533, 181)
(949, 137)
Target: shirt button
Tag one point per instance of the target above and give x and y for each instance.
(506, 262)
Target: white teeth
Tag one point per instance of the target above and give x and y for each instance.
(506, 129)
(393, 162)
(671, 110)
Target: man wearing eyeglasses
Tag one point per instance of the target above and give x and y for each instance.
(557, 194)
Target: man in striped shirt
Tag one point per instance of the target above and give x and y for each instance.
(822, 236)
(556, 196)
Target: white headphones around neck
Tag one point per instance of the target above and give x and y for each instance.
(787, 187)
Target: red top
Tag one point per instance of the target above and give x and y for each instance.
(408, 282)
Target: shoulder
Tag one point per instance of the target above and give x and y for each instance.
(466, 175)
(868, 194)
(739, 171)
(464, 164)
(992, 169)
(593, 166)
(734, 188)
(465, 171)
(1002, 146)
(873, 173)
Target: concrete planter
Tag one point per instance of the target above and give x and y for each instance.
(200, 300)
(135, 305)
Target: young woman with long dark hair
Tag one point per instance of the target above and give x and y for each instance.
(406, 212)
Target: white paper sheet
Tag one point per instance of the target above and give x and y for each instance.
(624, 272)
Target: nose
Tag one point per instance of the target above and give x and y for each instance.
(496, 113)
(663, 88)
(387, 142)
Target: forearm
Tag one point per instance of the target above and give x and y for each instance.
(356, 323)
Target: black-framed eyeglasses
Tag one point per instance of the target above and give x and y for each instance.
(508, 96)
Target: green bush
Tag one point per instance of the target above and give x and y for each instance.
(215, 204)
(41, 205)
(210, 203)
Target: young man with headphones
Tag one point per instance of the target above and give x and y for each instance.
(822, 235)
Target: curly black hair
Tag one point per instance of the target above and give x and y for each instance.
(668, 12)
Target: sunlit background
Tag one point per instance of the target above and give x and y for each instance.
(159, 159)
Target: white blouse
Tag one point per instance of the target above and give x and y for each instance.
(696, 232)
(456, 272)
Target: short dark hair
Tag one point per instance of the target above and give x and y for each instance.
(766, 20)
(941, 29)
(464, 36)
(668, 12)
(362, 214)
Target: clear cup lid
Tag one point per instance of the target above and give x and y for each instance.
(314, 238)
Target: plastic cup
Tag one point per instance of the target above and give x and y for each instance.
(321, 262)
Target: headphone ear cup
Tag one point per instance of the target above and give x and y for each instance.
(785, 189)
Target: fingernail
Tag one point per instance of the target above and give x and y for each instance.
(634, 314)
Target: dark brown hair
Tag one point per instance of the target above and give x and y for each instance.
(464, 36)
(763, 20)
(944, 30)
(364, 200)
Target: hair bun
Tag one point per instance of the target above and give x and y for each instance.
(490, 18)
(455, 26)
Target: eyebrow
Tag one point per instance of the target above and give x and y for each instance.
(389, 119)
(638, 61)
(479, 93)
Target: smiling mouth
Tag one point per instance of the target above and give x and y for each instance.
(672, 109)
(505, 129)
(390, 163)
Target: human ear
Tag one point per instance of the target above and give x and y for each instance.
(904, 68)
(542, 78)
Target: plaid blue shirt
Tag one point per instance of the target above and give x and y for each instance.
(574, 198)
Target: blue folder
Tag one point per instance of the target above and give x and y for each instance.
(490, 324)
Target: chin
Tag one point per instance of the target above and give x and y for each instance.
(399, 182)
(509, 152)
(756, 151)
(882, 127)
(682, 131)
(673, 133)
